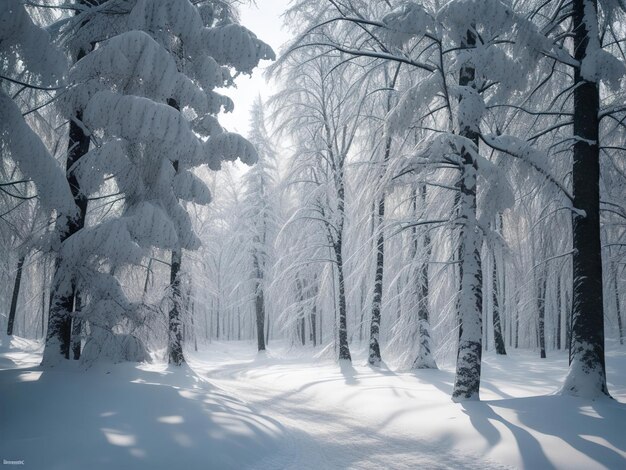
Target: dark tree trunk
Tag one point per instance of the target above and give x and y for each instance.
(300, 317)
(43, 313)
(267, 329)
(15, 296)
(193, 327)
(568, 325)
(559, 315)
(618, 309)
(314, 324)
(587, 350)
(176, 356)
(63, 293)
(321, 340)
(497, 327)
(344, 349)
(541, 323)
(259, 304)
(516, 328)
(238, 324)
(63, 290)
(314, 313)
(77, 326)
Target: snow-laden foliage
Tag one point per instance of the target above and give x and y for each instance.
(260, 217)
(25, 48)
(30, 155)
(154, 69)
(28, 57)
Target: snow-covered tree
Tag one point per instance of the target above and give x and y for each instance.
(260, 214)
(488, 46)
(323, 119)
(594, 65)
(32, 71)
(146, 96)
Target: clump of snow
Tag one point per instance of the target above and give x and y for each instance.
(602, 66)
(471, 107)
(229, 146)
(520, 149)
(26, 48)
(407, 21)
(416, 98)
(236, 46)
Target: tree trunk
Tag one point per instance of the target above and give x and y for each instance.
(15, 296)
(63, 292)
(176, 356)
(344, 349)
(541, 324)
(77, 327)
(314, 313)
(374, 358)
(259, 304)
(314, 324)
(193, 327)
(175, 321)
(559, 314)
(267, 329)
(424, 359)
(468, 365)
(497, 327)
(516, 329)
(618, 309)
(587, 372)
(468, 368)
(217, 317)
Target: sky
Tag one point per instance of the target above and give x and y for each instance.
(264, 20)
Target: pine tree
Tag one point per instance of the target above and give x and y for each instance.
(124, 90)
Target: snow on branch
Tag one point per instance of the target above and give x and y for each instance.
(229, 146)
(33, 159)
(236, 46)
(28, 48)
(521, 149)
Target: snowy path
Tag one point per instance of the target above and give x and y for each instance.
(363, 418)
(324, 434)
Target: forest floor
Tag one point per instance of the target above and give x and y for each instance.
(232, 408)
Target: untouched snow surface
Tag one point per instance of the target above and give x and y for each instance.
(233, 408)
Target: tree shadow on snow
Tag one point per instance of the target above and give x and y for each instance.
(575, 421)
(124, 417)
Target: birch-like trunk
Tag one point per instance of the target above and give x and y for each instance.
(468, 364)
(424, 359)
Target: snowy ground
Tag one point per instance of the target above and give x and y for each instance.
(234, 409)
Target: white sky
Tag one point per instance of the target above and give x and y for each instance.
(263, 20)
